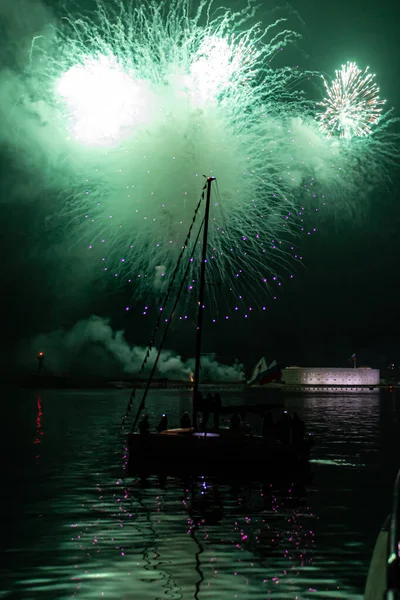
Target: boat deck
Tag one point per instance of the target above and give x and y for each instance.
(214, 451)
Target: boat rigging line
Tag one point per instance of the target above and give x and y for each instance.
(150, 378)
(165, 301)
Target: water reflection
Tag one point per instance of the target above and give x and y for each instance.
(39, 430)
(76, 528)
(235, 532)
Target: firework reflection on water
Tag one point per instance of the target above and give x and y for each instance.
(82, 530)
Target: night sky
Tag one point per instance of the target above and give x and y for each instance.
(344, 299)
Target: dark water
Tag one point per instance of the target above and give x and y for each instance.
(73, 527)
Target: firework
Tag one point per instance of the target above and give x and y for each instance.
(133, 104)
(352, 104)
(103, 99)
(151, 100)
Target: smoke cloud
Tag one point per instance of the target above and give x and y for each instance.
(92, 347)
(125, 190)
(116, 215)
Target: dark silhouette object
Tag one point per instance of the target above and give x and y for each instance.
(144, 425)
(217, 404)
(198, 404)
(268, 427)
(244, 425)
(284, 428)
(235, 421)
(40, 358)
(163, 424)
(298, 428)
(185, 421)
(206, 409)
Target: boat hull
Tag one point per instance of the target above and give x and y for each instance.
(213, 453)
(376, 584)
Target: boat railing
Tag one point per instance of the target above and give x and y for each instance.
(393, 555)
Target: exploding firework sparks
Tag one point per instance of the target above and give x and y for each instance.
(103, 99)
(133, 104)
(157, 99)
(352, 105)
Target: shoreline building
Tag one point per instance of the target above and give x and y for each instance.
(361, 376)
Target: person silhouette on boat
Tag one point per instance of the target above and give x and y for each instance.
(235, 422)
(268, 427)
(163, 424)
(244, 425)
(217, 404)
(207, 407)
(185, 421)
(144, 425)
(198, 402)
(298, 428)
(284, 428)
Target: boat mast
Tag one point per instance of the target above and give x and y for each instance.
(201, 302)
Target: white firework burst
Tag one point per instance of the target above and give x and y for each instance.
(352, 104)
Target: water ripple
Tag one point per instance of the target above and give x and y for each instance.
(76, 528)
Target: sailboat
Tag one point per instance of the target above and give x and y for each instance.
(196, 450)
